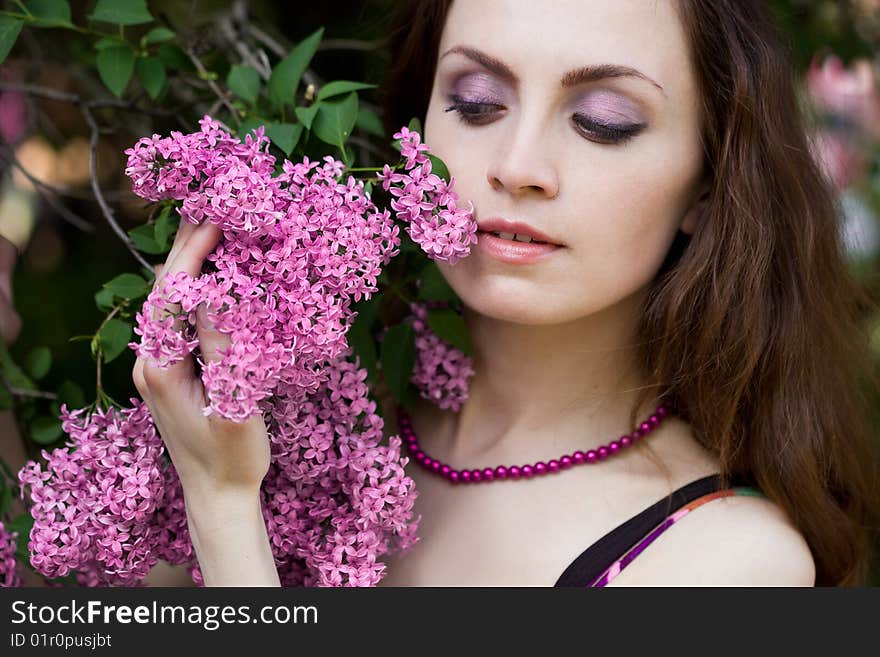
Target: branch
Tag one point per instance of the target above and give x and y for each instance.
(229, 26)
(96, 188)
(350, 44)
(49, 193)
(203, 74)
(65, 97)
(309, 76)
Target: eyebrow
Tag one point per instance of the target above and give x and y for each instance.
(569, 79)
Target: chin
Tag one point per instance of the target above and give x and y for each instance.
(503, 297)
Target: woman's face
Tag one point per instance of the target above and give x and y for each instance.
(604, 162)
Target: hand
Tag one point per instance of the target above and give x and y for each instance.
(212, 455)
(10, 321)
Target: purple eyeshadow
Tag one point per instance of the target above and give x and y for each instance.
(609, 108)
(478, 87)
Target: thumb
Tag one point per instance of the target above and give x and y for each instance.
(211, 341)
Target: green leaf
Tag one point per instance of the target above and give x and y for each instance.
(360, 335)
(114, 338)
(174, 58)
(151, 72)
(5, 399)
(9, 29)
(450, 327)
(104, 299)
(45, 430)
(369, 122)
(122, 12)
(338, 87)
(10, 370)
(71, 394)
(127, 286)
(166, 225)
(285, 78)
(335, 120)
(433, 285)
(157, 35)
(115, 66)
(50, 12)
(5, 497)
(398, 357)
(306, 115)
(22, 525)
(284, 135)
(144, 240)
(438, 166)
(244, 82)
(415, 124)
(37, 362)
(109, 42)
(251, 124)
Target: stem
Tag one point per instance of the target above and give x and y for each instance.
(99, 195)
(98, 388)
(23, 8)
(30, 18)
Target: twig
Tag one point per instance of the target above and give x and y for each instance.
(45, 92)
(49, 193)
(349, 44)
(100, 352)
(229, 27)
(309, 76)
(96, 188)
(24, 392)
(203, 74)
(366, 145)
(65, 97)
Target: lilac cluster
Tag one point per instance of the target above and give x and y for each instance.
(9, 575)
(335, 497)
(298, 248)
(441, 371)
(428, 203)
(107, 505)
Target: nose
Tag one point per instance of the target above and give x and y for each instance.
(523, 163)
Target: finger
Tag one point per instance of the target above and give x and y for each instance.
(211, 340)
(213, 343)
(190, 259)
(195, 246)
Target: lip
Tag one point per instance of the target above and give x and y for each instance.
(501, 225)
(511, 251)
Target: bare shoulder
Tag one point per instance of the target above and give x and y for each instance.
(730, 541)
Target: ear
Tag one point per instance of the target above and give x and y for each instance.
(691, 219)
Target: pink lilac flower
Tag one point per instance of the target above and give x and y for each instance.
(428, 204)
(442, 372)
(298, 248)
(106, 504)
(9, 574)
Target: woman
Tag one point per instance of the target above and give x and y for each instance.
(694, 261)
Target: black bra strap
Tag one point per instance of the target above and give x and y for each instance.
(601, 554)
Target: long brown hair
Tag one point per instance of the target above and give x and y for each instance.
(753, 325)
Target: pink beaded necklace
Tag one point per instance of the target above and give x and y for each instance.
(525, 471)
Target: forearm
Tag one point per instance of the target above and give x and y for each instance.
(230, 540)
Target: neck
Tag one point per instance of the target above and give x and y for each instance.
(541, 391)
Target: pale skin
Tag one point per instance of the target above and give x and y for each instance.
(553, 341)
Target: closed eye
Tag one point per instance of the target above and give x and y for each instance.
(481, 113)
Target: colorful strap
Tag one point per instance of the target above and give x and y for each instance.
(614, 569)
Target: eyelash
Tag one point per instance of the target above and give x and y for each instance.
(470, 111)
